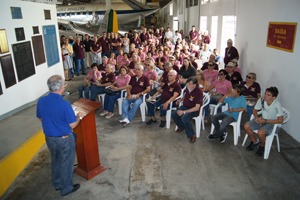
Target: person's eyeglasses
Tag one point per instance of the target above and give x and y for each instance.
(221, 74)
(249, 77)
(138, 69)
(210, 64)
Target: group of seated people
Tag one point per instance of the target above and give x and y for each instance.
(172, 83)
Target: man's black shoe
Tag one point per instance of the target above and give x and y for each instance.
(75, 187)
(162, 124)
(150, 121)
(212, 137)
(251, 146)
(260, 152)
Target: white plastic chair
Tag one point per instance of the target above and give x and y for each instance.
(120, 100)
(269, 139)
(236, 125)
(101, 98)
(200, 118)
(169, 111)
(143, 106)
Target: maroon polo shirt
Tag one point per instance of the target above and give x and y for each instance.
(169, 90)
(176, 68)
(101, 67)
(78, 50)
(137, 41)
(95, 46)
(252, 91)
(162, 59)
(104, 44)
(192, 98)
(131, 65)
(193, 34)
(108, 78)
(138, 85)
(144, 37)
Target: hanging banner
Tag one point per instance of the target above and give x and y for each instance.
(282, 35)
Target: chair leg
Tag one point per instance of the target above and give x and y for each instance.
(278, 144)
(197, 121)
(168, 119)
(245, 139)
(142, 108)
(212, 129)
(268, 145)
(120, 106)
(235, 134)
(202, 122)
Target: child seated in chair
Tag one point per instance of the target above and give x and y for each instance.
(236, 103)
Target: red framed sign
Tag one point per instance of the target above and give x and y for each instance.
(282, 35)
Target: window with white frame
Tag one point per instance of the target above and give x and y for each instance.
(203, 23)
(214, 31)
(228, 31)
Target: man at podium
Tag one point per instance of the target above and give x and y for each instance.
(58, 120)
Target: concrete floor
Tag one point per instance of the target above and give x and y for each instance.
(147, 162)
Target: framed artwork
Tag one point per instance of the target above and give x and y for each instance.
(51, 46)
(8, 71)
(20, 35)
(35, 30)
(38, 49)
(281, 35)
(16, 12)
(3, 42)
(23, 60)
(47, 14)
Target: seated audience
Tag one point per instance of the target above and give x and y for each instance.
(169, 92)
(186, 71)
(201, 80)
(107, 79)
(236, 103)
(234, 77)
(251, 92)
(138, 86)
(192, 101)
(121, 83)
(93, 77)
(271, 114)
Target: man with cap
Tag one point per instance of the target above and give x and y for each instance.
(172, 61)
(230, 52)
(233, 76)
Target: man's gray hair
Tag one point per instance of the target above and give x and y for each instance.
(172, 71)
(55, 83)
(140, 65)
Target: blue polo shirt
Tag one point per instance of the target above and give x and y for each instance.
(56, 114)
(235, 103)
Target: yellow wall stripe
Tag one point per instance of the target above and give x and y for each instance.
(15, 162)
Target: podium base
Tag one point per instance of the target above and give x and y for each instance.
(91, 174)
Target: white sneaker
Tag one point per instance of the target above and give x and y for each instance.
(104, 113)
(110, 115)
(125, 122)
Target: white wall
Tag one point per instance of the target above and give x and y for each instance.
(273, 67)
(31, 88)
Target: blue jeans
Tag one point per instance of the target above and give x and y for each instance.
(220, 128)
(184, 121)
(79, 64)
(109, 102)
(62, 152)
(85, 89)
(96, 58)
(151, 109)
(249, 111)
(95, 90)
(129, 111)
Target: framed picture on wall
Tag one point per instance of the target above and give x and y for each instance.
(3, 42)
(51, 46)
(8, 71)
(20, 35)
(16, 12)
(47, 14)
(23, 60)
(35, 30)
(38, 49)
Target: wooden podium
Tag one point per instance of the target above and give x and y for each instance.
(87, 151)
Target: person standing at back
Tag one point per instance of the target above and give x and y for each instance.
(58, 119)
